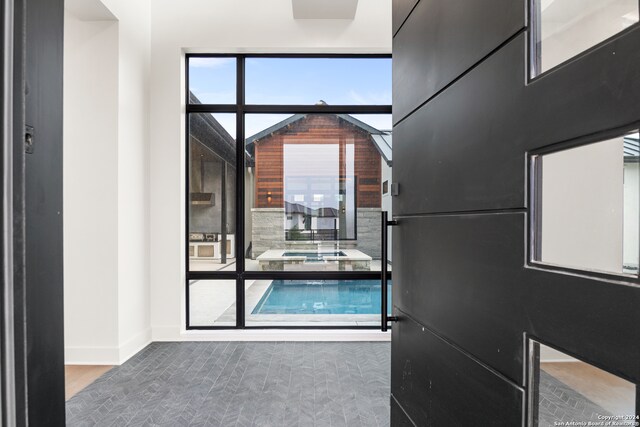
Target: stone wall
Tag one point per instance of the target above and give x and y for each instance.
(268, 233)
(369, 231)
(267, 230)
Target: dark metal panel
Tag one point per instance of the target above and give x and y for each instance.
(443, 39)
(398, 416)
(462, 277)
(592, 93)
(43, 207)
(464, 150)
(400, 11)
(19, 285)
(439, 385)
(585, 317)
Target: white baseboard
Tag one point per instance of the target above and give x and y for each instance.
(91, 356)
(175, 333)
(107, 355)
(132, 346)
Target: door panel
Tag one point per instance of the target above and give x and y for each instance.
(43, 214)
(459, 154)
(474, 136)
(441, 386)
(459, 275)
(433, 40)
(398, 416)
(464, 289)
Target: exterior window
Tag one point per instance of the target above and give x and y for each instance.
(212, 192)
(586, 206)
(298, 198)
(563, 29)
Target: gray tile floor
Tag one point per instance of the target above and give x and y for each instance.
(559, 403)
(242, 384)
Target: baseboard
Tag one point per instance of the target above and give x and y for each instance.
(174, 333)
(132, 346)
(107, 355)
(91, 356)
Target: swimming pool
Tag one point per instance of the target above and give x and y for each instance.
(322, 297)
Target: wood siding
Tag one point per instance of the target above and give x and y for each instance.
(316, 129)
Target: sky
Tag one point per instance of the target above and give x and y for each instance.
(302, 81)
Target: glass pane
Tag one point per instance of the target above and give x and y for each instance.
(212, 80)
(212, 303)
(313, 302)
(568, 391)
(308, 81)
(314, 191)
(566, 28)
(212, 196)
(586, 203)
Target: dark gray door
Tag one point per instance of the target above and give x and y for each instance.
(32, 327)
(43, 213)
(472, 299)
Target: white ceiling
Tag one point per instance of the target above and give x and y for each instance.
(324, 9)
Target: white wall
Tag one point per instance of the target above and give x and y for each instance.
(107, 295)
(90, 189)
(582, 207)
(133, 174)
(631, 214)
(570, 27)
(222, 26)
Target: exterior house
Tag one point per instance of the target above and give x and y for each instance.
(335, 200)
(212, 190)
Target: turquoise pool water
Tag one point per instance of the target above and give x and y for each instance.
(322, 297)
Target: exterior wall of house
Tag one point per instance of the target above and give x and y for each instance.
(316, 129)
(269, 216)
(207, 218)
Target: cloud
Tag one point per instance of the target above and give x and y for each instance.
(198, 62)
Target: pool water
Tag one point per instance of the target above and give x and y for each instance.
(322, 297)
(314, 256)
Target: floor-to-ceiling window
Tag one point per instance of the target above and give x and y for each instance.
(289, 167)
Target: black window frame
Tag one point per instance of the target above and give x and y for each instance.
(240, 108)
